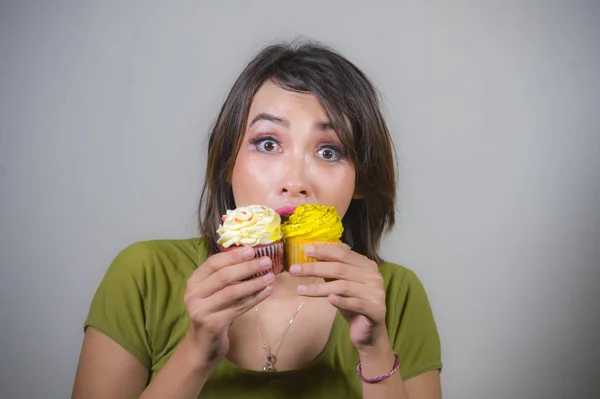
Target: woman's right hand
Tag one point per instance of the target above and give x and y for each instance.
(217, 294)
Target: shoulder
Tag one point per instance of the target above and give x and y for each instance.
(189, 246)
(405, 292)
(410, 321)
(396, 276)
(140, 290)
(142, 257)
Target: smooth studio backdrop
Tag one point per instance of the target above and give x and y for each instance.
(494, 108)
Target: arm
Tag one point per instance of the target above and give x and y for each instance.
(107, 370)
(217, 293)
(356, 287)
(183, 376)
(379, 361)
(423, 386)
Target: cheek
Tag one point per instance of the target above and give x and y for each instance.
(339, 188)
(251, 175)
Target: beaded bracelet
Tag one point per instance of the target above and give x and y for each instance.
(381, 377)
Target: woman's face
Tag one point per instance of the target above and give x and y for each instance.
(290, 155)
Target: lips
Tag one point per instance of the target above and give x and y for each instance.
(286, 210)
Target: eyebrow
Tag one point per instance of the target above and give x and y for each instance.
(325, 126)
(263, 116)
(271, 118)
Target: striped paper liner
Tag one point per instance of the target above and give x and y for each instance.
(273, 251)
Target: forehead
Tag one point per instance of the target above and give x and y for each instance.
(273, 99)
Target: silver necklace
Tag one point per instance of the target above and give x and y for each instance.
(272, 355)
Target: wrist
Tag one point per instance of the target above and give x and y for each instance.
(383, 354)
(378, 345)
(194, 356)
(379, 360)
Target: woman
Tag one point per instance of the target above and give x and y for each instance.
(178, 319)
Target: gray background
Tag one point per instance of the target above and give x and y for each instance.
(494, 107)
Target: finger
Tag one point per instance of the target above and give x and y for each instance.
(338, 253)
(248, 303)
(371, 310)
(229, 275)
(342, 288)
(244, 303)
(233, 295)
(225, 315)
(228, 296)
(329, 270)
(222, 259)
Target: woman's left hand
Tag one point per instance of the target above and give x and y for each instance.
(353, 285)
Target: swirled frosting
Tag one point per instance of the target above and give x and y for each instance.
(313, 222)
(249, 225)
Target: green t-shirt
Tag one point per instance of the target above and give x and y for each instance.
(139, 304)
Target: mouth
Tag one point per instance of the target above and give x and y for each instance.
(285, 212)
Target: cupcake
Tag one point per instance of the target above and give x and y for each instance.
(310, 224)
(254, 226)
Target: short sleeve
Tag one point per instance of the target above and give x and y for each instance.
(413, 332)
(119, 307)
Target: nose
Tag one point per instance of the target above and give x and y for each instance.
(295, 180)
(295, 190)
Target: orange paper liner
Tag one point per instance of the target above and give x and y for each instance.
(294, 251)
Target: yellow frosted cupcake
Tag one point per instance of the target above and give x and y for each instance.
(254, 226)
(310, 224)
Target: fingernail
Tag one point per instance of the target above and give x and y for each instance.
(265, 263)
(295, 269)
(268, 277)
(248, 253)
(302, 289)
(309, 250)
(268, 290)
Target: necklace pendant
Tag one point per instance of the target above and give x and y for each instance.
(268, 366)
(269, 363)
(272, 358)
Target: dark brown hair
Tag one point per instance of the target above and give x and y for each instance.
(352, 105)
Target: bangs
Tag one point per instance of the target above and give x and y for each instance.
(337, 112)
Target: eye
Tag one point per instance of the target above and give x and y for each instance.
(330, 153)
(265, 144)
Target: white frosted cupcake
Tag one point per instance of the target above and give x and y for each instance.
(254, 226)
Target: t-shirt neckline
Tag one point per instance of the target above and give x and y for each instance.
(329, 346)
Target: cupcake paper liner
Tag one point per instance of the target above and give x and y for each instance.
(273, 251)
(294, 251)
